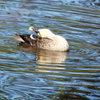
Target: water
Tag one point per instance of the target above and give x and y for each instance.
(27, 74)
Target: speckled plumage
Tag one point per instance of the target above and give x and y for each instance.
(45, 40)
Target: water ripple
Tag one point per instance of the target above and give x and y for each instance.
(27, 74)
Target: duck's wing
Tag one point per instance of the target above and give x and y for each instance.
(27, 39)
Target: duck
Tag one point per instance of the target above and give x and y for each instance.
(45, 39)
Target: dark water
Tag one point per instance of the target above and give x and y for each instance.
(43, 75)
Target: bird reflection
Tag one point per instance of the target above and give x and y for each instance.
(47, 61)
(46, 56)
(50, 61)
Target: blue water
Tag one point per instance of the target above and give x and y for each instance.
(27, 74)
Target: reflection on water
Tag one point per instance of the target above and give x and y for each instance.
(27, 74)
(46, 56)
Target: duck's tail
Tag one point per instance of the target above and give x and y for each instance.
(18, 37)
(26, 39)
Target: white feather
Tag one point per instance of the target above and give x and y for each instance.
(31, 36)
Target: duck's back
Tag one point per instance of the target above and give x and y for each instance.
(58, 43)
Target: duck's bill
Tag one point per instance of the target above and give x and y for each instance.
(33, 29)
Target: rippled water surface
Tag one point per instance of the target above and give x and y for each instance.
(27, 74)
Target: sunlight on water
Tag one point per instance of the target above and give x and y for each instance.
(27, 74)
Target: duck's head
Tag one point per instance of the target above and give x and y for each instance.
(44, 33)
